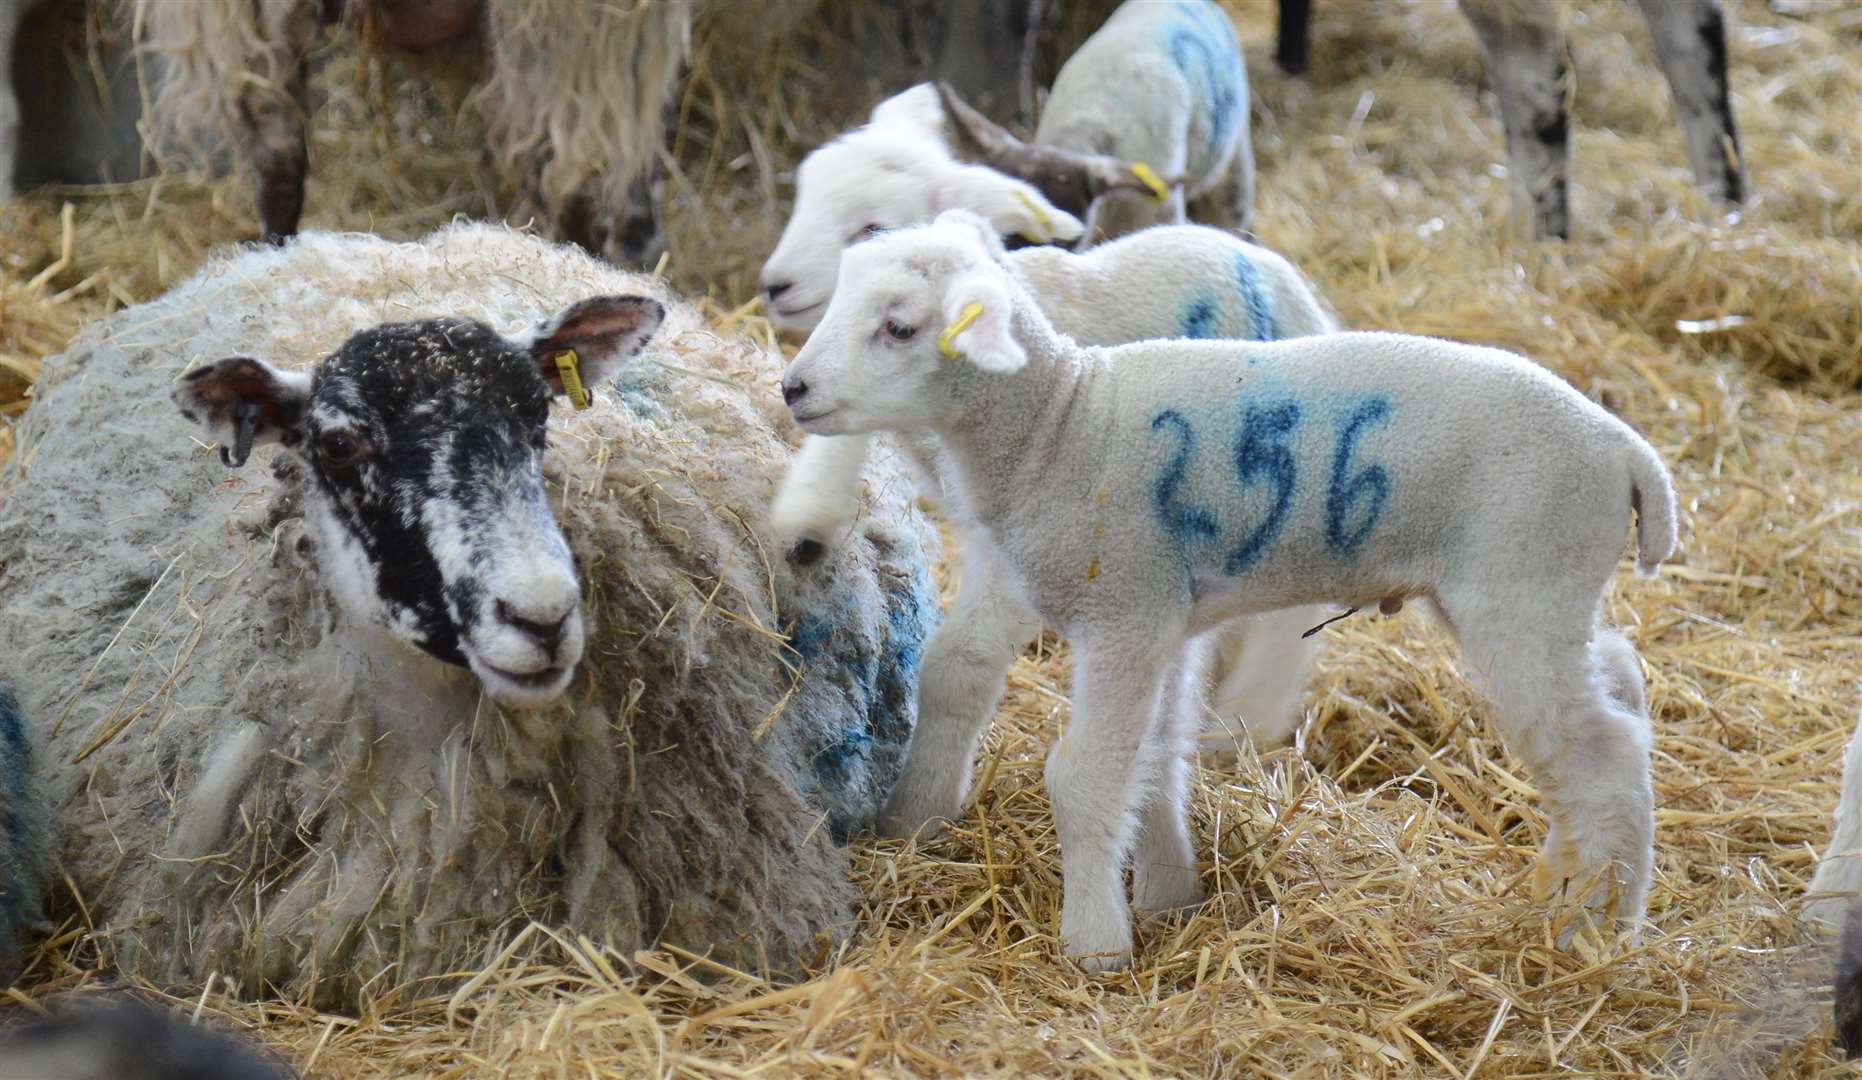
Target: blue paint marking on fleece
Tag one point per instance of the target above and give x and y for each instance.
(24, 837)
(1350, 490)
(1261, 325)
(1199, 319)
(638, 386)
(1202, 43)
(880, 689)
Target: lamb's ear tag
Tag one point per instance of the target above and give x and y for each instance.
(945, 347)
(1041, 219)
(568, 365)
(1149, 178)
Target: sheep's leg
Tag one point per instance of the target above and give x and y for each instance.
(1261, 665)
(12, 13)
(1290, 51)
(1839, 872)
(819, 495)
(1616, 658)
(1523, 52)
(1229, 204)
(1690, 42)
(272, 118)
(1092, 774)
(1164, 875)
(1556, 689)
(964, 672)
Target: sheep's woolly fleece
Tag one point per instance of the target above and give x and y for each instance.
(243, 788)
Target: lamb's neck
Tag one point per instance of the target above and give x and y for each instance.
(1007, 429)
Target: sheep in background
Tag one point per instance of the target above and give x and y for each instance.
(12, 14)
(122, 1037)
(1138, 497)
(1523, 50)
(1836, 899)
(256, 780)
(1169, 281)
(1162, 85)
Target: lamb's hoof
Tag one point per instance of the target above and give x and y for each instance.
(1166, 888)
(807, 552)
(1097, 940)
(1102, 963)
(1559, 881)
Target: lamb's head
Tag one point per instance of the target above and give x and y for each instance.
(421, 450)
(916, 310)
(894, 172)
(1071, 179)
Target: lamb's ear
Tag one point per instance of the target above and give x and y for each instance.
(978, 323)
(604, 332)
(1008, 204)
(245, 403)
(916, 108)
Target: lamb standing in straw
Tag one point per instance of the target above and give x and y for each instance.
(1138, 497)
(269, 697)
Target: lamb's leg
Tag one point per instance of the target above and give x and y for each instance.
(1839, 872)
(1261, 666)
(819, 495)
(1230, 203)
(1164, 875)
(1092, 774)
(1616, 658)
(12, 13)
(964, 672)
(1690, 42)
(1523, 52)
(1561, 711)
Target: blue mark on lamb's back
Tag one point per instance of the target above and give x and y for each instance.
(1262, 454)
(1261, 324)
(1352, 486)
(1200, 319)
(1202, 44)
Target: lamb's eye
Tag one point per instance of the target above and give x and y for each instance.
(339, 449)
(899, 331)
(866, 231)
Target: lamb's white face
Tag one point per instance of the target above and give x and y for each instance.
(876, 361)
(420, 446)
(892, 173)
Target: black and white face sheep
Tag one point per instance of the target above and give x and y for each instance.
(1523, 50)
(421, 443)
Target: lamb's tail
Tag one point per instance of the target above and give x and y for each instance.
(1652, 496)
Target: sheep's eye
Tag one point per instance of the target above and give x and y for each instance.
(339, 449)
(867, 230)
(898, 331)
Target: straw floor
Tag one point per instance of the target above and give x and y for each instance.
(1371, 912)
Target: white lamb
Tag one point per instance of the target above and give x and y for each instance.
(1139, 497)
(1159, 85)
(1169, 281)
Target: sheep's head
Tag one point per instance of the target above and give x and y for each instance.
(1071, 179)
(421, 446)
(914, 310)
(894, 172)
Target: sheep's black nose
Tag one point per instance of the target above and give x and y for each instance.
(547, 632)
(777, 288)
(792, 391)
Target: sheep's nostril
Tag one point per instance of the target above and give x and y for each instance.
(794, 391)
(774, 289)
(546, 633)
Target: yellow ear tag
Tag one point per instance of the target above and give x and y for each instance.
(1149, 178)
(567, 366)
(1041, 219)
(944, 346)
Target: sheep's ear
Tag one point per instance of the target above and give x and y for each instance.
(978, 323)
(245, 403)
(916, 108)
(604, 332)
(1010, 206)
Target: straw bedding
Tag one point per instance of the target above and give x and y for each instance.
(1370, 912)
(243, 784)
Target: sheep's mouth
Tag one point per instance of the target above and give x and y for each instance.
(524, 689)
(795, 313)
(804, 421)
(533, 680)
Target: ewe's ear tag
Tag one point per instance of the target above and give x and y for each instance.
(568, 366)
(1149, 178)
(945, 339)
(1045, 223)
